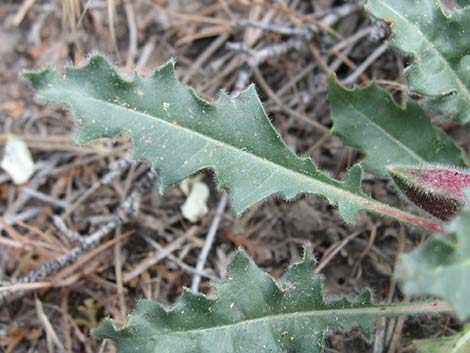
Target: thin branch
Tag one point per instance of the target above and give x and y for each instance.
(257, 57)
(124, 213)
(280, 29)
(363, 67)
(201, 261)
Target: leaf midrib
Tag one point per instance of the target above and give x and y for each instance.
(364, 201)
(328, 191)
(457, 79)
(371, 310)
(389, 136)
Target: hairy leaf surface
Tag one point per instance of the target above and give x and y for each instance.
(440, 267)
(251, 313)
(369, 120)
(437, 189)
(180, 134)
(440, 47)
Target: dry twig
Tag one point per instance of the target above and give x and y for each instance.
(127, 211)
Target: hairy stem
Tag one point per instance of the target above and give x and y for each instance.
(405, 217)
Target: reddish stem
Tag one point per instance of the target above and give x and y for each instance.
(407, 218)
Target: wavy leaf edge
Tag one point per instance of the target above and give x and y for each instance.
(327, 308)
(401, 148)
(352, 178)
(233, 137)
(454, 99)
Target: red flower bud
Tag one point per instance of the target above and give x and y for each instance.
(438, 190)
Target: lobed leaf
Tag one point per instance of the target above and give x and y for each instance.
(440, 48)
(440, 267)
(459, 343)
(437, 189)
(180, 134)
(369, 120)
(251, 313)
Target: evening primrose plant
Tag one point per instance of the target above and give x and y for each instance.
(180, 133)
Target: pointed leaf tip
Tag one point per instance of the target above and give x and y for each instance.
(39, 78)
(307, 254)
(167, 68)
(107, 330)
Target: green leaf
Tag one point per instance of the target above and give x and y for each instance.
(180, 134)
(251, 313)
(440, 47)
(459, 343)
(369, 120)
(441, 266)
